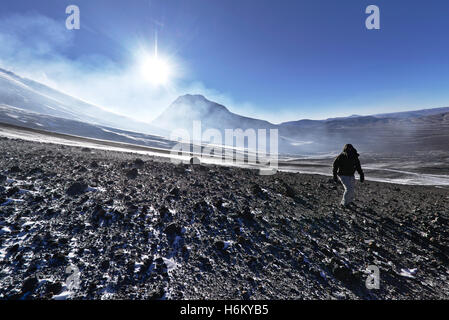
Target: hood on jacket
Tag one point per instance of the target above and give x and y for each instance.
(350, 151)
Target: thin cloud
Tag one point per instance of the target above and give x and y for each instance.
(35, 46)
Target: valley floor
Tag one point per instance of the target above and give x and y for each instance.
(140, 227)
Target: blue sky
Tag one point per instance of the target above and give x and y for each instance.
(278, 60)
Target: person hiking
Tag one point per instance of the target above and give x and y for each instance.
(345, 165)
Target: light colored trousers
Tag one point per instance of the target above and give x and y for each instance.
(348, 183)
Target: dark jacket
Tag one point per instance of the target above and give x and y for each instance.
(347, 163)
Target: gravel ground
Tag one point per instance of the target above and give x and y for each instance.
(134, 227)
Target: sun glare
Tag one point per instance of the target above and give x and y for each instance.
(156, 70)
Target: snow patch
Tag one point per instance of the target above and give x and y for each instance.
(409, 273)
(171, 264)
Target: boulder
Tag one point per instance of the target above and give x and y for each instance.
(29, 284)
(173, 229)
(138, 163)
(132, 174)
(77, 188)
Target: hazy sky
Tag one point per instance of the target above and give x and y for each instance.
(274, 59)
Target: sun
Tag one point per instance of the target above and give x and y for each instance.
(156, 70)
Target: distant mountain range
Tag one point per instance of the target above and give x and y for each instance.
(391, 131)
(191, 107)
(31, 104)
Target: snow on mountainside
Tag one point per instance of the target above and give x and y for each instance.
(32, 96)
(187, 108)
(48, 109)
(19, 117)
(402, 131)
(414, 113)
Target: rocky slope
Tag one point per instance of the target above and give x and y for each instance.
(141, 228)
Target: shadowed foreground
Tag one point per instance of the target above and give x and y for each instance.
(137, 227)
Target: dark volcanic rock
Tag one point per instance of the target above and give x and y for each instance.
(13, 248)
(157, 294)
(58, 259)
(94, 164)
(173, 229)
(14, 169)
(104, 265)
(34, 171)
(246, 213)
(220, 245)
(53, 288)
(165, 213)
(98, 214)
(29, 284)
(345, 275)
(132, 174)
(209, 232)
(139, 163)
(256, 190)
(290, 191)
(12, 191)
(77, 188)
(175, 191)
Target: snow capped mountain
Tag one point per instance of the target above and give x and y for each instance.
(28, 103)
(33, 96)
(188, 108)
(402, 131)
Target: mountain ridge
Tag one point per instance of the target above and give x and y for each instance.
(190, 107)
(216, 108)
(407, 130)
(30, 95)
